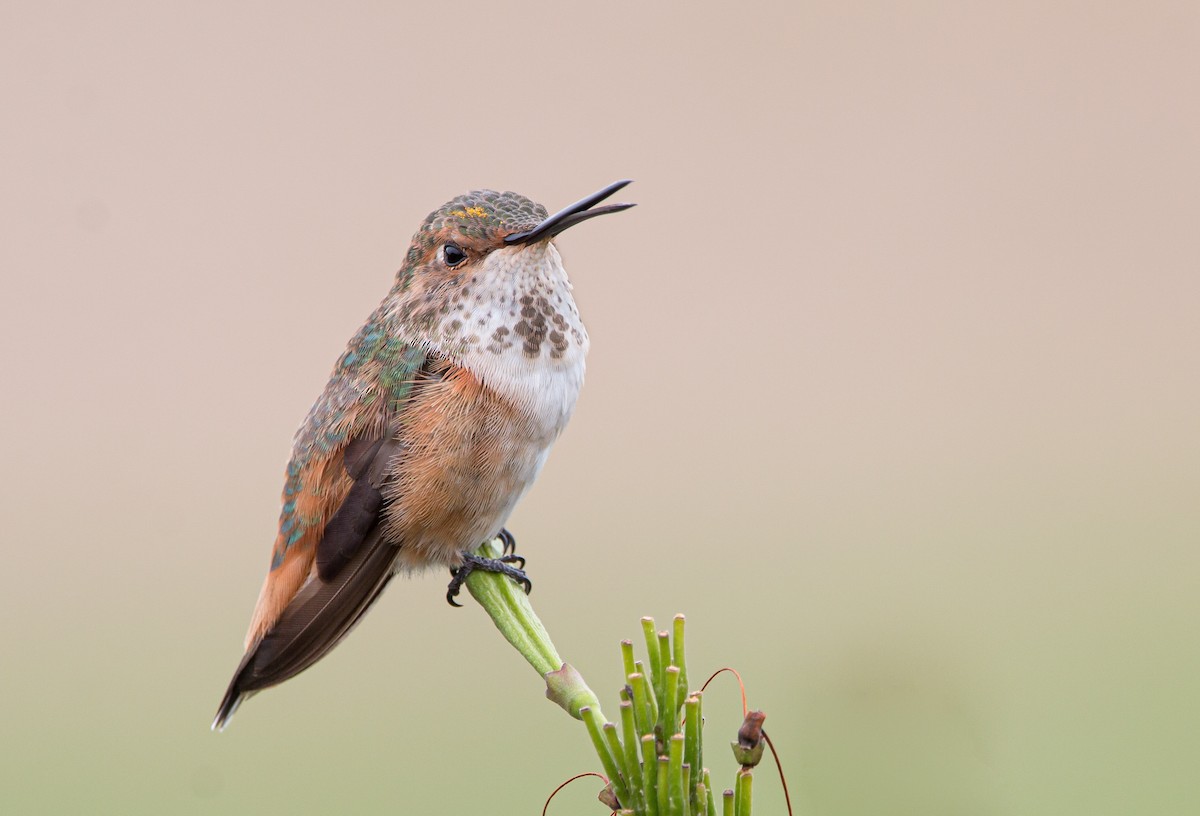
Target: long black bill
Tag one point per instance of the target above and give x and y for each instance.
(579, 211)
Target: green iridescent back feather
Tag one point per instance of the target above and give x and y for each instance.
(376, 367)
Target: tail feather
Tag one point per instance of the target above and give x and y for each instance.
(321, 614)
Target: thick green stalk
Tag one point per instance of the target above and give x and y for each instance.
(663, 787)
(650, 774)
(712, 805)
(618, 753)
(627, 657)
(677, 656)
(691, 735)
(670, 712)
(685, 795)
(651, 701)
(675, 770)
(509, 608)
(743, 789)
(664, 653)
(595, 727)
(629, 743)
(645, 714)
(652, 654)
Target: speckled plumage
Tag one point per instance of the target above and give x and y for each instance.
(435, 421)
(376, 371)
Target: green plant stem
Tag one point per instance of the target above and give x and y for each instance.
(645, 715)
(664, 655)
(618, 753)
(686, 794)
(691, 753)
(712, 805)
(650, 774)
(629, 743)
(677, 655)
(508, 606)
(675, 772)
(744, 787)
(627, 657)
(670, 712)
(651, 706)
(656, 666)
(663, 787)
(612, 768)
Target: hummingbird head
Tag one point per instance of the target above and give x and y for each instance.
(486, 258)
(459, 236)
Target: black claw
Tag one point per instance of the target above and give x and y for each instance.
(470, 563)
(509, 540)
(457, 577)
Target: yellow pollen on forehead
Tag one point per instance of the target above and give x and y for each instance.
(473, 212)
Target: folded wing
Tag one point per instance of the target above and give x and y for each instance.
(354, 564)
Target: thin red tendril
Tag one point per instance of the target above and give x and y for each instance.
(554, 793)
(745, 709)
(779, 766)
(741, 685)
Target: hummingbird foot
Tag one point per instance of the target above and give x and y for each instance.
(502, 565)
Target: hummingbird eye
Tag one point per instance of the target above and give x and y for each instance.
(453, 255)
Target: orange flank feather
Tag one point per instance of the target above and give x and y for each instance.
(323, 486)
(469, 455)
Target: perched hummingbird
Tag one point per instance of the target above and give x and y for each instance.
(434, 423)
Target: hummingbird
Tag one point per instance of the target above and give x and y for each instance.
(436, 420)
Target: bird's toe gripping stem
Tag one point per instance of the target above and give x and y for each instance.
(502, 565)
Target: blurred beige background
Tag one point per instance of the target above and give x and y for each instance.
(893, 391)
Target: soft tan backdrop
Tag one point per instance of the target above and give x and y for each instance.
(894, 391)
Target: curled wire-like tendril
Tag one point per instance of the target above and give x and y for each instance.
(779, 765)
(741, 685)
(554, 793)
(745, 710)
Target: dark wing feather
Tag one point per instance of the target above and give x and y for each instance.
(320, 616)
(366, 461)
(354, 564)
(347, 530)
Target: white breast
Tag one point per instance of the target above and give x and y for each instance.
(516, 326)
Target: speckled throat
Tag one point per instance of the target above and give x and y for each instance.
(514, 324)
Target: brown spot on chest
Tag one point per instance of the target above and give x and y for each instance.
(500, 340)
(537, 315)
(533, 330)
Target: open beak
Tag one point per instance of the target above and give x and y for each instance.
(572, 215)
